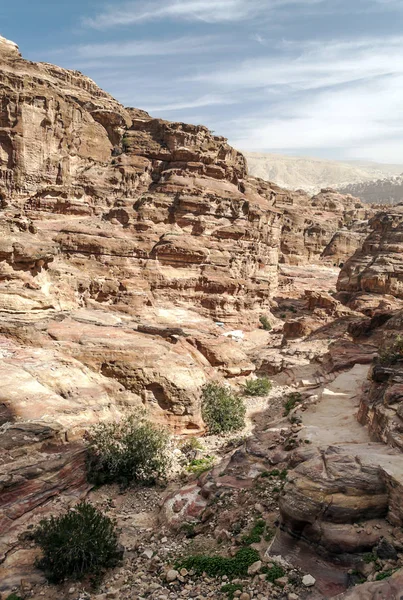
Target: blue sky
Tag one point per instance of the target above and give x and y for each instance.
(307, 77)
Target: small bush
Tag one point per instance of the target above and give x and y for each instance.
(13, 597)
(270, 533)
(189, 529)
(392, 354)
(273, 573)
(265, 323)
(255, 535)
(199, 465)
(222, 410)
(81, 542)
(190, 448)
(125, 143)
(257, 387)
(230, 589)
(292, 400)
(384, 575)
(369, 558)
(131, 450)
(217, 566)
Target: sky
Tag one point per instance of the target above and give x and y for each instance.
(300, 77)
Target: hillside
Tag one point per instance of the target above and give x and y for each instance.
(313, 174)
(388, 190)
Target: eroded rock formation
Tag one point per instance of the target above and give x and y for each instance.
(375, 272)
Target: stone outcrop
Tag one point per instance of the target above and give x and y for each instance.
(334, 488)
(388, 589)
(342, 478)
(375, 271)
(327, 227)
(381, 408)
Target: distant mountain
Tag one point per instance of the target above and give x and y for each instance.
(382, 191)
(372, 182)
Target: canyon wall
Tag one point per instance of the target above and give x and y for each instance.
(374, 274)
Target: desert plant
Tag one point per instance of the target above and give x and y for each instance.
(255, 534)
(222, 410)
(292, 400)
(199, 465)
(265, 323)
(190, 447)
(81, 542)
(230, 589)
(384, 575)
(273, 573)
(131, 450)
(257, 387)
(393, 353)
(217, 566)
(125, 143)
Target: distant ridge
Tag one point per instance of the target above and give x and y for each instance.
(313, 174)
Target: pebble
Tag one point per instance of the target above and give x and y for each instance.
(244, 596)
(255, 568)
(172, 575)
(308, 581)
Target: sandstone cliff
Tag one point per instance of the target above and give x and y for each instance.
(122, 239)
(375, 270)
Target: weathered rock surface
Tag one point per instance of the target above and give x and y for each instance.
(342, 478)
(328, 226)
(388, 589)
(376, 269)
(122, 239)
(381, 407)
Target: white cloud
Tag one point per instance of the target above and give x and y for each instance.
(210, 11)
(363, 121)
(204, 101)
(184, 45)
(317, 65)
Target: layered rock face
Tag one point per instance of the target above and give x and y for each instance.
(160, 205)
(328, 227)
(381, 408)
(375, 271)
(122, 239)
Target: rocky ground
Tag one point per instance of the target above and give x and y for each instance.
(139, 261)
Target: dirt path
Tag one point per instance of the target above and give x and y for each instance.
(333, 419)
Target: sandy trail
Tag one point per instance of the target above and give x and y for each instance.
(333, 419)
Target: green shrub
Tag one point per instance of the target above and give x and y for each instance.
(292, 400)
(230, 589)
(81, 542)
(189, 529)
(392, 354)
(199, 465)
(131, 450)
(257, 387)
(217, 566)
(13, 597)
(125, 143)
(255, 535)
(273, 573)
(384, 575)
(265, 323)
(369, 558)
(222, 410)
